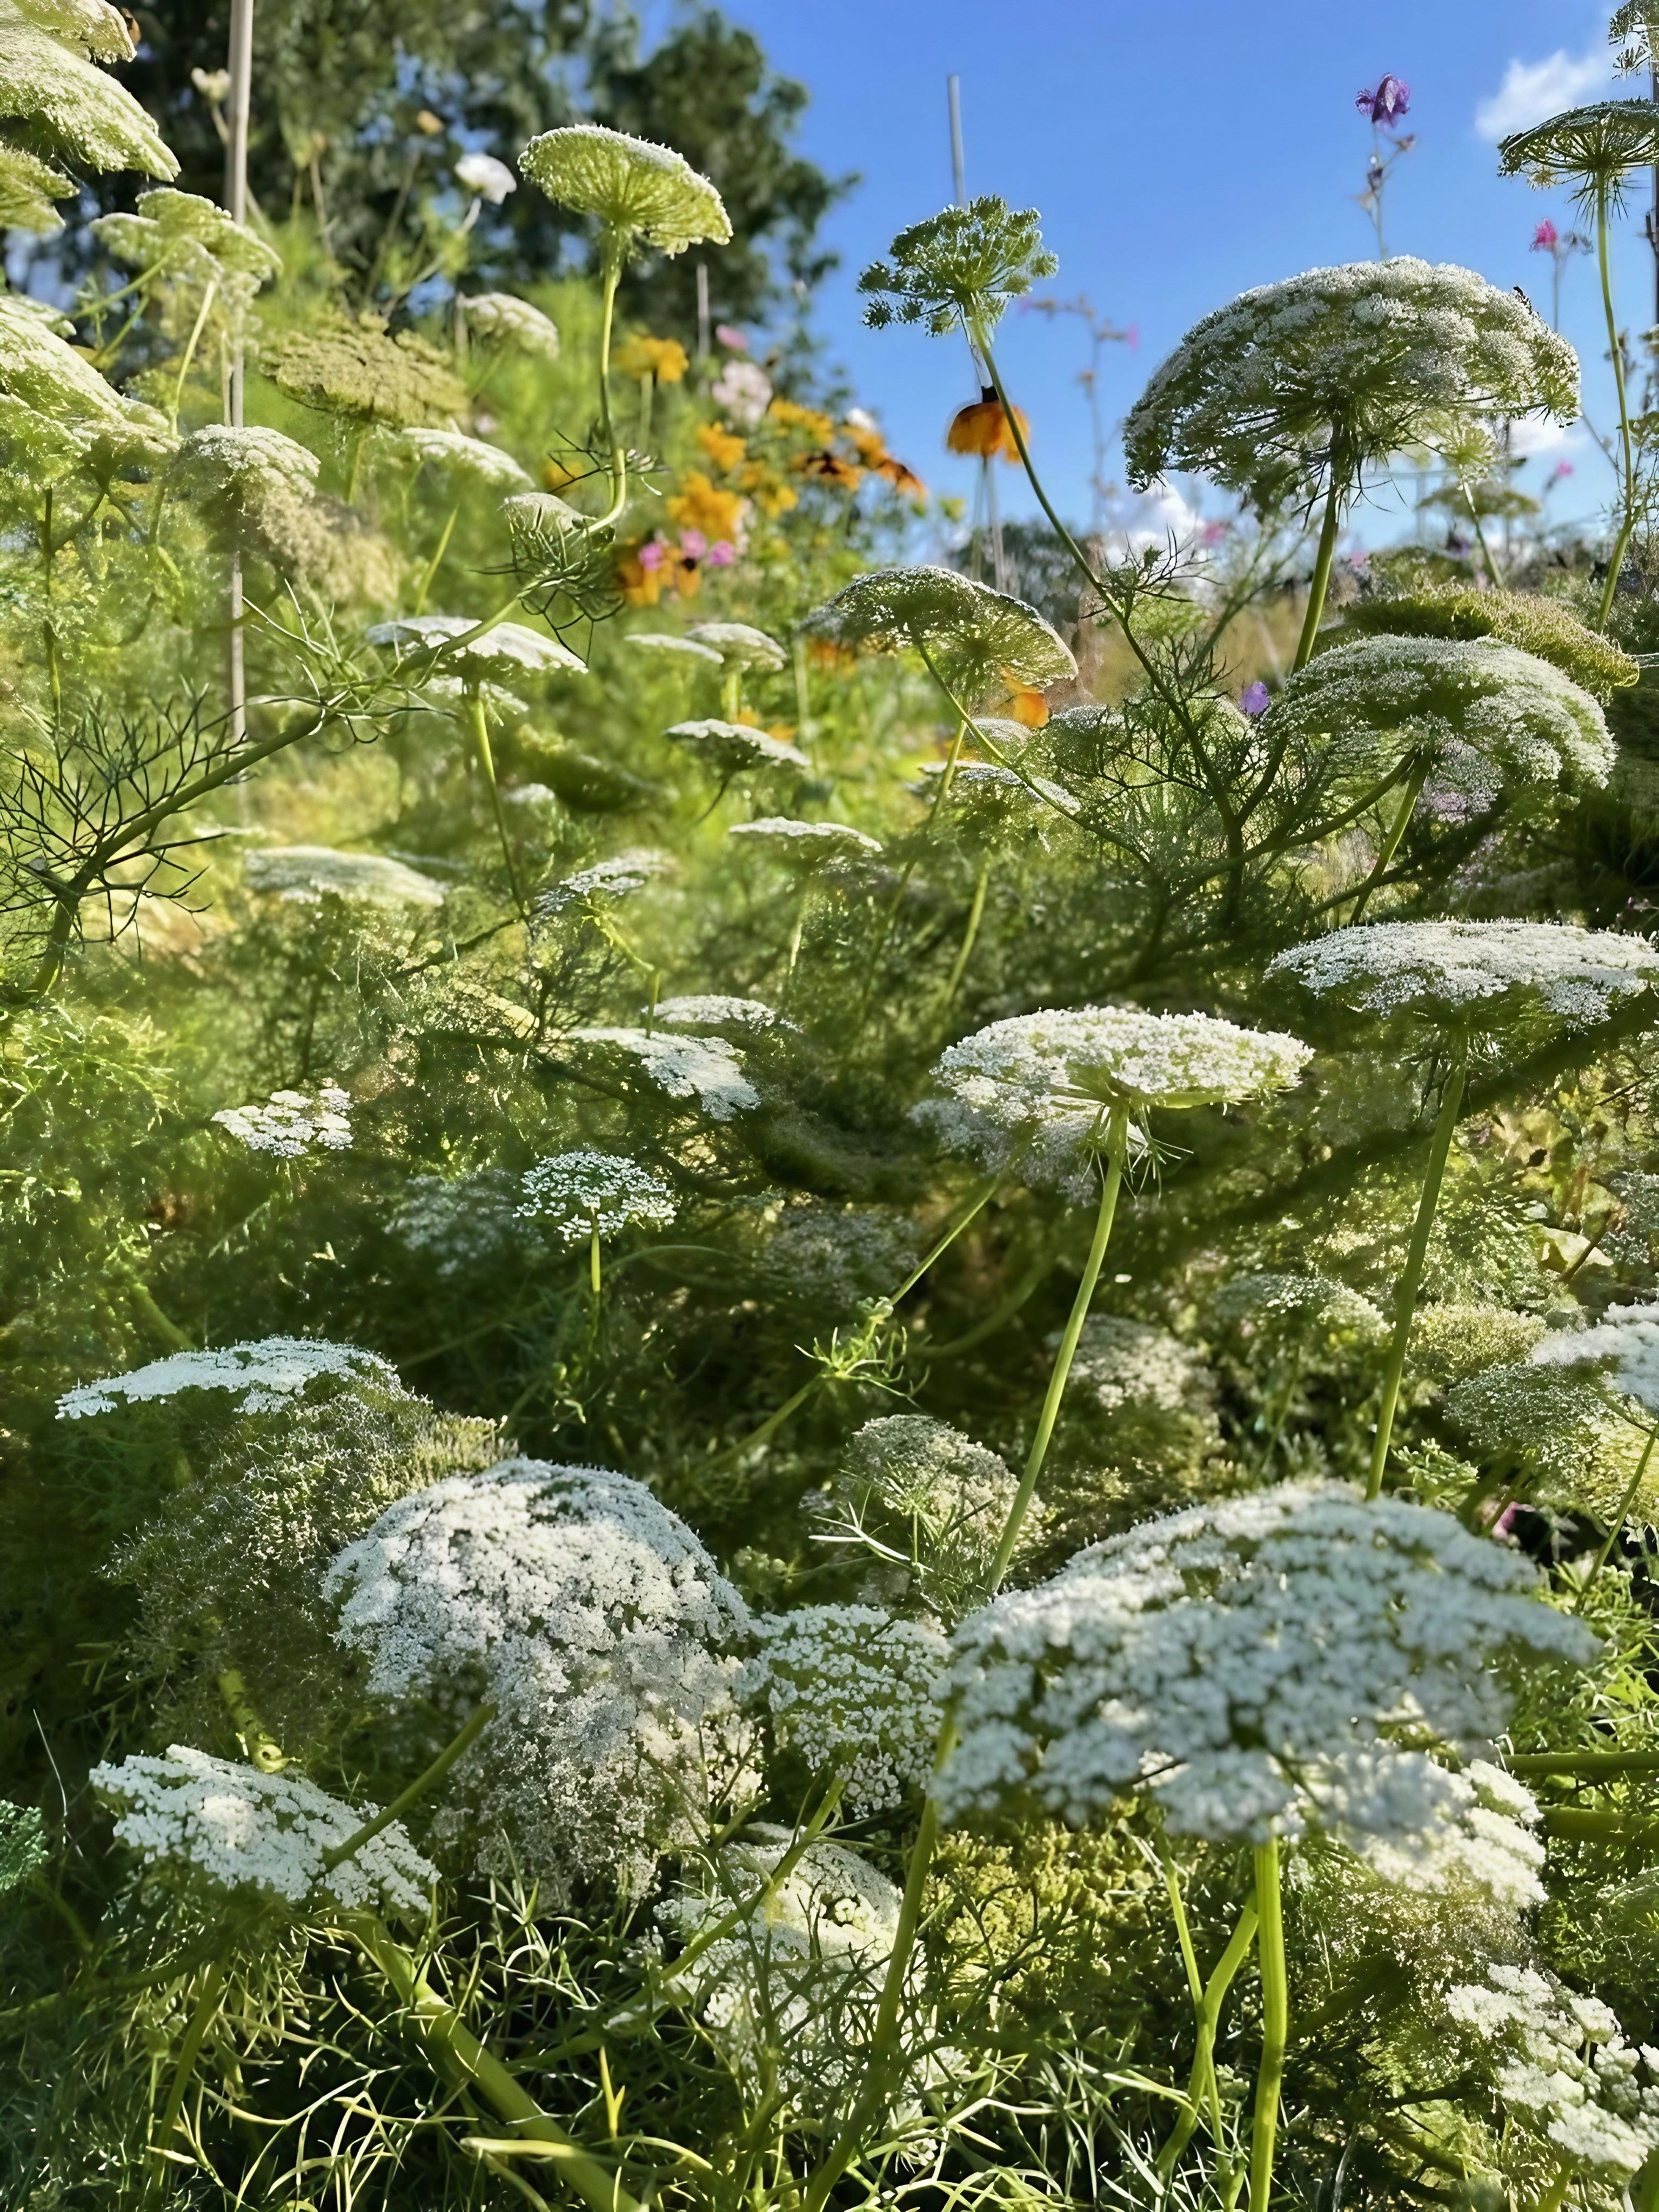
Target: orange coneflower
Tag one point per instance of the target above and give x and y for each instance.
(831, 468)
(1024, 704)
(904, 481)
(984, 428)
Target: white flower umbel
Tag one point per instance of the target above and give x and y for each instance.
(594, 1620)
(292, 1123)
(456, 455)
(926, 1504)
(505, 318)
(728, 749)
(1262, 1666)
(245, 1830)
(586, 1193)
(1127, 1363)
(49, 86)
(1485, 1839)
(1560, 2066)
(739, 645)
(673, 647)
(832, 1258)
(618, 877)
(1276, 1308)
(224, 461)
(458, 1224)
(806, 846)
(713, 1009)
(706, 1069)
(306, 874)
(1623, 1347)
(507, 650)
(852, 1693)
(968, 634)
(260, 1375)
(485, 178)
(1478, 975)
(636, 189)
(789, 1995)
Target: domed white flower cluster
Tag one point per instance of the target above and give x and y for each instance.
(455, 453)
(261, 1376)
(1624, 1347)
(1562, 1424)
(705, 1068)
(458, 1224)
(926, 1504)
(805, 846)
(508, 321)
(620, 877)
(587, 1194)
(852, 1691)
(1485, 1839)
(1275, 1308)
(594, 1620)
(1563, 2070)
(305, 874)
(245, 1830)
(673, 644)
(1032, 1094)
(713, 1009)
(789, 1995)
(1483, 973)
(739, 645)
(1452, 1342)
(292, 1123)
(1489, 715)
(1122, 1362)
(225, 461)
(1371, 351)
(727, 749)
(1262, 1666)
(637, 189)
(970, 632)
(508, 649)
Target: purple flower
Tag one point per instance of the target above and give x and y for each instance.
(651, 553)
(722, 553)
(693, 544)
(1545, 238)
(733, 340)
(1390, 101)
(1255, 700)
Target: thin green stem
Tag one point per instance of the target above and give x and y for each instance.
(1321, 584)
(196, 329)
(1117, 1146)
(965, 949)
(1627, 486)
(1202, 2087)
(454, 1749)
(430, 573)
(1275, 2023)
(1451, 1100)
(1631, 1492)
(611, 276)
(1406, 808)
(593, 1269)
(201, 2019)
(487, 766)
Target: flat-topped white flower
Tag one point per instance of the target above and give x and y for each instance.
(739, 645)
(926, 1504)
(852, 1691)
(619, 877)
(806, 846)
(245, 1830)
(1484, 716)
(55, 408)
(1274, 1306)
(291, 1123)
(832, 1258)
(306, 873)
(730, 748)
(457, 454)
(713, 1010)
(586, 1194)
(674, 646)
(507, 648)
(223, 461)
(1261, 1666)
(260, 1376)
(1477, 974)
(969, 632)
(1623, 1347)
(991, 800)
(509, 320)
(1034, 1093)
(636, 189)
(595, 1623)
(461, 1222)
(48, 84)
(705, 1068)
(1561, 2068)
(485, 178)
(183, 234)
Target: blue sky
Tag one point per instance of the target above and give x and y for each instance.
(1181, 150)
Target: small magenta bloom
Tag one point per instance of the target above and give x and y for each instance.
(651, 553)
(733, 340)
(1387, 104)
(722, 553)
(1255, 700)
(1545, 238)
(693, 544)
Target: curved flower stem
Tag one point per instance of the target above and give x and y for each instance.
(458, 2056)
(594, 1271)
(1627, 526)
(1117, 1146)
(201, 2019)
(405, 1798)
(1451, 1100)
(1320, 584)
(1208, 2001)
(965, 949)
(487, 764)
(430, 573)
(1409, 797)
(1625, 1504)
(1275, 2023)
(197, 328)
(611, 275)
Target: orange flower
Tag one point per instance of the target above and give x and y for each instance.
(699, 505)
(867, 441)
(723, 448)
(904, 481)
(1024, 704)
(824, 652)
(985, 429)
(830, 468)
(666, 359)
(789, 414)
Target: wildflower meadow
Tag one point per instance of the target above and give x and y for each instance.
(829, 1329)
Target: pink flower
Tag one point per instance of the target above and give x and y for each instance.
(1387, 104)
(733, 340)
(1562, 470)
(693, 544)
(651, 553)
(722, 553)
(1545, 238)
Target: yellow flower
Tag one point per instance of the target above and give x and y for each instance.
(701, 505)
(830, 468)
(867, 441)
(724, 448)
(985, 429)
(639, 586)
(1024, 704)
(770, 493)
(789, 414)
(664, 358)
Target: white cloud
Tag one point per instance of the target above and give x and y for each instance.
(1154, 518)
(1533, 91)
